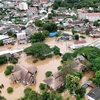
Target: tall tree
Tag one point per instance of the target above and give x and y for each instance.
(72, 83)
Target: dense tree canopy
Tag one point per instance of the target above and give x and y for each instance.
(75, 3)
(68, 68)
(96, 64)
(38, 49)
(96, 79)
(72, 83)
(30, 94)
(37, 37)
(38, 23)
(50, 26)
(3, 59)
(89, 52)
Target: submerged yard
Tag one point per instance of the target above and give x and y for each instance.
(50, 64)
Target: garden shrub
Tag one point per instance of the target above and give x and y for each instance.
(9, 89)
(42, 86)
(48, 73)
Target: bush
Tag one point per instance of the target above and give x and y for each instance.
(50, 55)
(3, 59)
(78, 74)
(83, 37)
(13, 60)
(42, 86)
(35, 60)
(42, 58)
(12, 43)
(48, 73)
(61, 89)
(1, 43)
(10, 67)
(27, 91)
(59, 67)
(7, 72)
(9, 89)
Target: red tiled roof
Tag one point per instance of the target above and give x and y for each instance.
(79, 42)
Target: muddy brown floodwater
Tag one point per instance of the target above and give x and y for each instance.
(50, 64)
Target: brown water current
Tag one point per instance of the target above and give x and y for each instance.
(50, 64)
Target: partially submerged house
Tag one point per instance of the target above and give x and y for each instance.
(94, 94)
(55, 81)
(22, 74)
(78, 44)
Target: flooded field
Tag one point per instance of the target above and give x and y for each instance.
(50, 64)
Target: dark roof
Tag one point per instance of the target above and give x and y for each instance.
(94, 93)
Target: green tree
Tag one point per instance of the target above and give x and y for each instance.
(96, 79)
(66, 56)
(3, 59)
(81, 91)
(45, 32)
(38, 49)
(9, 89)
(37, 37)
(96, 23)
(42, 86)
(89, 52)
(76, 37)
(48, 73)
(1, 43)
(72, 83)
(69, 67)
(2, 98)
(50, 26)
(56, 50)
(96, 64)
(50, 16)
(38, 23)
(86, 20)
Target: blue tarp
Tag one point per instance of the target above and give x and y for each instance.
(53, 34)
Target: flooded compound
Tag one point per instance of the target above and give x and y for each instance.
(49, 64)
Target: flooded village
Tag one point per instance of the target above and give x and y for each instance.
(49, 52)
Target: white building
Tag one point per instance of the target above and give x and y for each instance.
(83, 14)
(23, 6)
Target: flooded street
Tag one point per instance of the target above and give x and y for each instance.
(50, 64)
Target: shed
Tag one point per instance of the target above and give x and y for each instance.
(53, 34)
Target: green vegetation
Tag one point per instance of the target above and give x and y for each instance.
(37, 37)
(1, 43)
(66, 56)
(38, 49)
(45, 32)
(78, 74)
(42, 58)
(81, 91)
(50, 16)
(59, 67)
(42, 86)
(30, 94)
(56, 50)
(3, 59)
(35, 60)
(48, 73)
(68, 68)
(50, 26)
(96, 79)
(8, 70)
(13, 60)
(96, 23)
(9, 89)
(76, 3)
(2, 98)
(76, 37)
(38, 23)
(72, 83)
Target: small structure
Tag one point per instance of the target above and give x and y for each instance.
(94, 94)
(55, 81)
(53, 34)
(23, 75)
(78, 44)
(22, 38)
(8, 41)
(23, 6)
